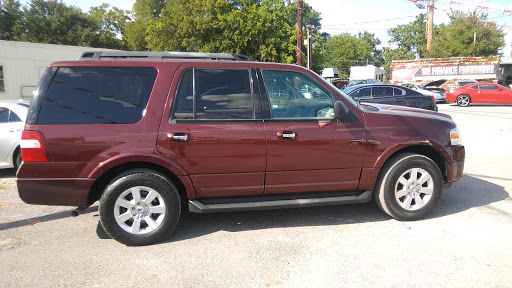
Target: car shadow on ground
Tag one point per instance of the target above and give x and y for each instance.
(469, 192)
(7, 173)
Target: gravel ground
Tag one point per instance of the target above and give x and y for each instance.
(466, 242)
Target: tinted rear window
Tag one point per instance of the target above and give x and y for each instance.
(218, 94)
(97, 95)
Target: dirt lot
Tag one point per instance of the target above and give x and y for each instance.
(466, 242)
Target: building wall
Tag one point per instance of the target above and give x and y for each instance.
(22, 65)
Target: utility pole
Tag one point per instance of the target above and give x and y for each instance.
(311, 39)
(298, 48)
(430, 25)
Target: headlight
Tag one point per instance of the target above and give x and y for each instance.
(455, 137)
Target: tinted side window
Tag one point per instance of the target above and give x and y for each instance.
(14, 117)
(382, 91)
(398, 92)
(474, 87)
(223, 94)
(488, 87)
(4, 115)
(97, 95)
(218, 94)
(362, 93)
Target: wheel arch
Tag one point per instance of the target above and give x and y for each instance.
(182, 183)
(425, 150)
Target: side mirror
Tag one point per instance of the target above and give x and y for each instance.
(340, 110)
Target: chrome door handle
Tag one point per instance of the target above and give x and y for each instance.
(178, 137)
(289, 135)
(286, 135)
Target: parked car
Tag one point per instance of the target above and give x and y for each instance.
(432, 91)
(391, 95)
(12, 121)
(144, 133)
(488, 93)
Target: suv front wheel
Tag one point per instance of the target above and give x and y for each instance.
(409, 187)
(140, 207)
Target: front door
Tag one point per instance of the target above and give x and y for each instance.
(307, 150)
(215, 132)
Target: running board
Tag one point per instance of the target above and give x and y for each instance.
(197, 206)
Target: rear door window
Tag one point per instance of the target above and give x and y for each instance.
(97, 95)
(214, 94)
(382, 91)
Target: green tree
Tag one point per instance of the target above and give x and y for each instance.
(10, 15)
(258, 29)
(136, 31)
(345, 50)
(457, 39)
(410, 38)
(54, 22)
(110, 25)
(376, 58)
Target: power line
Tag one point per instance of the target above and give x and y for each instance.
(376, 21)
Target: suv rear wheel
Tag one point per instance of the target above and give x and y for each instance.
(140, 207)
(409, 187)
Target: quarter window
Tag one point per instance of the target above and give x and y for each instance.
(97, 95)
(214, 94)
(294, 95)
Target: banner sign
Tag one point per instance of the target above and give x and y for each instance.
(445, 68)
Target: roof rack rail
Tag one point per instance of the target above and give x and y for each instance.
(161, 55)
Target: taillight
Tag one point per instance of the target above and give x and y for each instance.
(32, 147)
(433, 98)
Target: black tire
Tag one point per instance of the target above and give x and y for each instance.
(143, 182)
(17, 159)
(389, 189)
(463, 100)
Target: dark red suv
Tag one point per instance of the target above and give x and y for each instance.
(147, 132)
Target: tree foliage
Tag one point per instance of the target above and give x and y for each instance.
(10, 15)
(259, 29)
(345, 50)
(54, 22)
(458, 37)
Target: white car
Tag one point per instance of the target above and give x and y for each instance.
(438, 96)
(12, 121)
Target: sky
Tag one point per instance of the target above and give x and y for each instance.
(374, 16)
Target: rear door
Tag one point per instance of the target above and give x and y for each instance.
(385, 95)
(307, 150)
(215, 131)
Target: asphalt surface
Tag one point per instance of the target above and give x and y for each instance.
(466, 242)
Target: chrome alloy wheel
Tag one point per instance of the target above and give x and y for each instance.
(414, 189)
(139, 210)
(463, 100)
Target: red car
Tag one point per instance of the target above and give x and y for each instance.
(488, 93)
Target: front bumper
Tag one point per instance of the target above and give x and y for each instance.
(455, 168)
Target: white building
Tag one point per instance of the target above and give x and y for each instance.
(22, 64)
(367, 72)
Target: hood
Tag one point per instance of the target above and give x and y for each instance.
(405, 111)
(434, 84)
